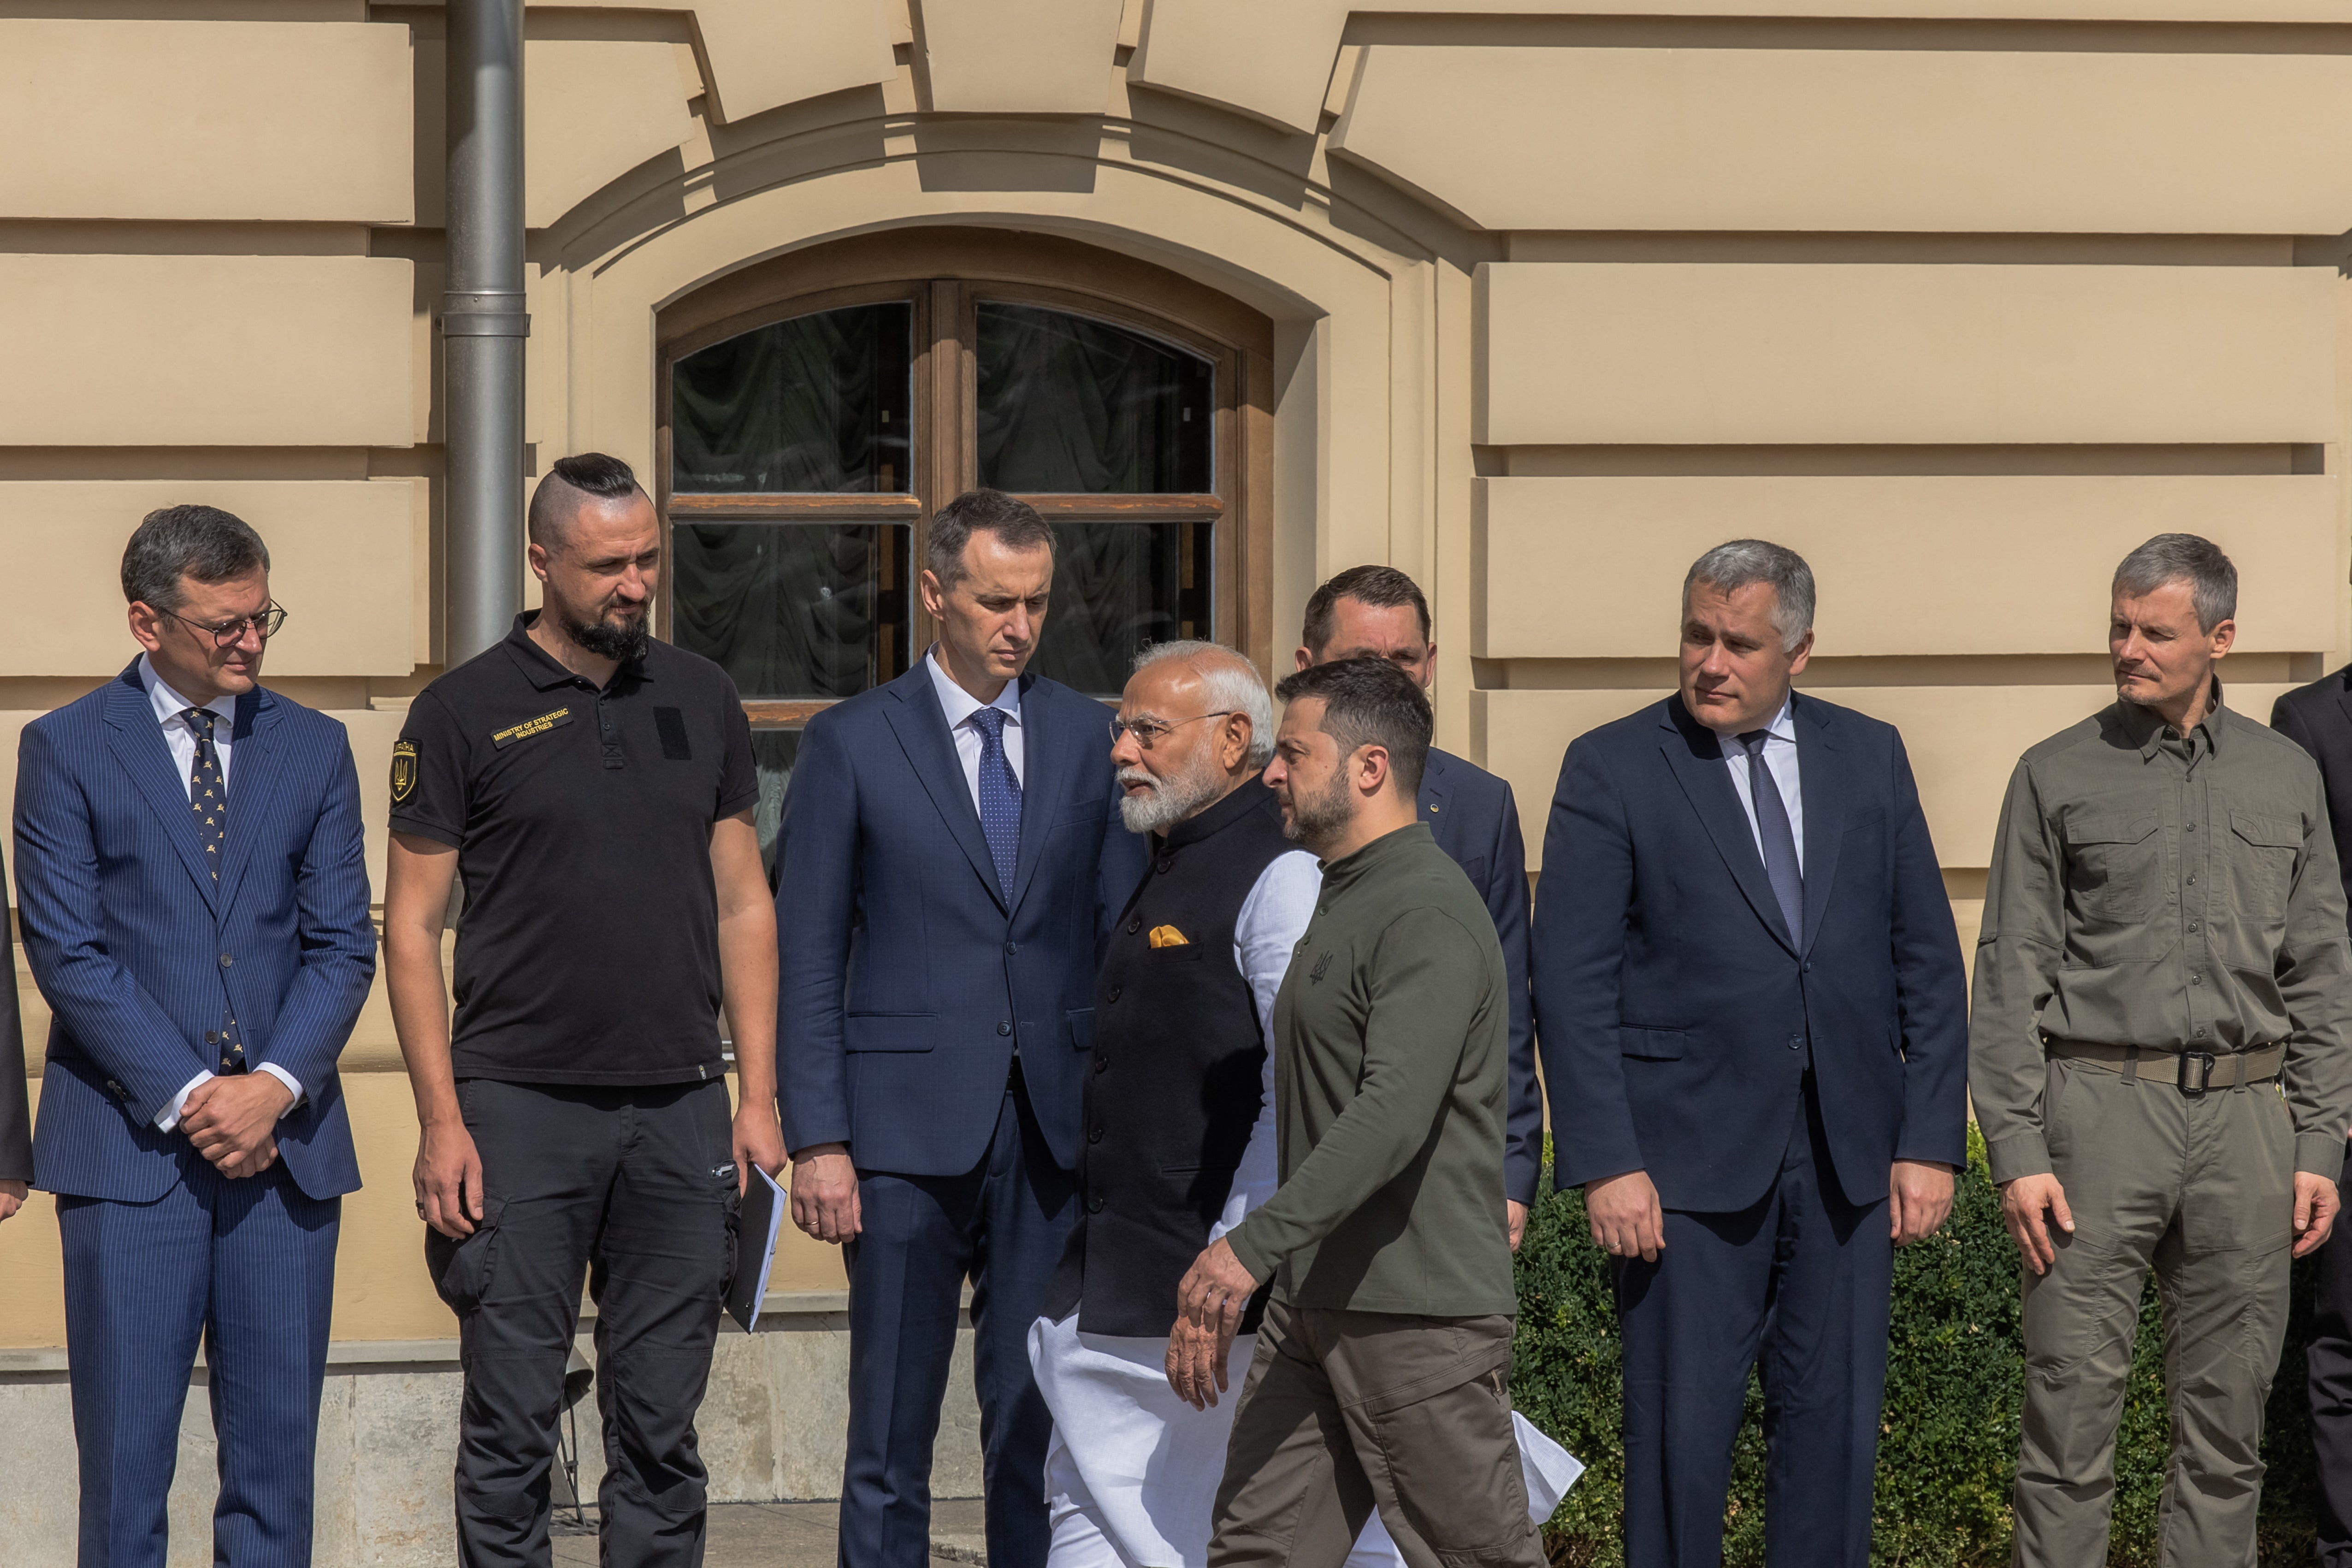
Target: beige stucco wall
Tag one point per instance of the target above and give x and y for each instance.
(1960, 297)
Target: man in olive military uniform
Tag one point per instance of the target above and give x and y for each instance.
(2161, 1061)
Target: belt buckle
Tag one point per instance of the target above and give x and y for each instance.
(2204, 1076)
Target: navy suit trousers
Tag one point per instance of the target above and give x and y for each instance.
(248, 1264)
(1795, 1285)
(1003, 1225)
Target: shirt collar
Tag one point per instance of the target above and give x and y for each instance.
(2147, 731)
(960, 705)
(543, 672)
(1783, 726)
(169, 704)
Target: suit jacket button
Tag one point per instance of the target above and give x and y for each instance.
(1094, 1134)
(1003, 1027)
(226, 961)
(1135, 925)
(1011, 948)
(1102, 1062)
(1114, 992)
(117, 1090)
(1095, 1204)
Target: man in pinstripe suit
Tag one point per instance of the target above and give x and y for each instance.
(194, 905)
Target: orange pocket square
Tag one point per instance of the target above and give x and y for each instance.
(1169, 936)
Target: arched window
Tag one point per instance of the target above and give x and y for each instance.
(815, 409)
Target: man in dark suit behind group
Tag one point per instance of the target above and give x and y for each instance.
(949, 846)
(1754, 1025)
(2318, 718)
(1378, 612)
(194, 896)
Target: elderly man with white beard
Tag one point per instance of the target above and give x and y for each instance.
(1179, 1131)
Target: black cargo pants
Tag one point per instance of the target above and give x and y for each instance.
(635, 1188)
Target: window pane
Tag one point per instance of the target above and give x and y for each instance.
(1117, 586)
(773, 753)
(819, 404)
(796, 611)
(1073, 406)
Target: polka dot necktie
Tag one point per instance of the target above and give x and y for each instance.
(999, 797)
(207, 789)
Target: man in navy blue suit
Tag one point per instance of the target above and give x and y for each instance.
(950, 847)
(1748, 990)
(1378, 612)
(193, 899)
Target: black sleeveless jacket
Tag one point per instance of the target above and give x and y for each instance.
(1175, 1087)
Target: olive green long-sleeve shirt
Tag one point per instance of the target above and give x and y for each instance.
(2169, 893)
(1391, 1035)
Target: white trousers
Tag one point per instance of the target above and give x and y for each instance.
(1132, 1471)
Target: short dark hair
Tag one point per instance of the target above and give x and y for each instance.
(1014, 523)
(557, 497)
(178, 542)
(2189, 558)
(1381, 587)
(1369, 701)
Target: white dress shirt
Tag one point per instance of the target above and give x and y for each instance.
(1780, 757)
(960, 705)
(180, 737)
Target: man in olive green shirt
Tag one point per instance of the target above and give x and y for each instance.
(1381, 1374)
(2161, 1062)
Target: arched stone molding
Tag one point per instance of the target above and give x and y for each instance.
(1356, 396)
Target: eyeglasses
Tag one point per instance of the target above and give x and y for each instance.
(228, 634)
(1147, 730)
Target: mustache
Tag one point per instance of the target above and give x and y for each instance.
(1137, 776)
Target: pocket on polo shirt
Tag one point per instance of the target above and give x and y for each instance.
(890, 1031)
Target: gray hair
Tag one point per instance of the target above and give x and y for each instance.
(1727, 568)
(1231, 682)
(174, 542)
(2183, 558)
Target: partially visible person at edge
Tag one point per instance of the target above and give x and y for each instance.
(1382, 1375)
(2161, 1064)
(1754, 1024)
(2318, 718)
(1378, 612)
(192, 884)
(594, 789)
(950, 856)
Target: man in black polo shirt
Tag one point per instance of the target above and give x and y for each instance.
(594, 789)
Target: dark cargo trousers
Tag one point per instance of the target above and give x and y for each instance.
(1343, 1412)
(2201, 1189)
(633, 1187)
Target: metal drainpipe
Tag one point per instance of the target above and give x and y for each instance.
(484, 321)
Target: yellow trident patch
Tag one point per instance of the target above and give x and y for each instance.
(404, 771)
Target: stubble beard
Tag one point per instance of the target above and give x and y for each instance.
(1318, 821)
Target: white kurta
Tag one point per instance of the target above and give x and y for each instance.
(1132, 1473)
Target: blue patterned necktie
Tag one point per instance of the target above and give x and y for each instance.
(207, 788)
(1778, 838)
(999, 797)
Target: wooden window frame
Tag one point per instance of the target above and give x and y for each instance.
(945, 273)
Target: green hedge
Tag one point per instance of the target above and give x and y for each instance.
(1948, 1449)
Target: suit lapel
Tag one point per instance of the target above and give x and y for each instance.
(1040, 741)
(253, 782)
(1822, 782)
(1436, 801)
(1695, 757)
(137, 741)
(922, 730)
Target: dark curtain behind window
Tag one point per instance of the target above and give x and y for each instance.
(819, 404)
(1073, 406)
(791, 610)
